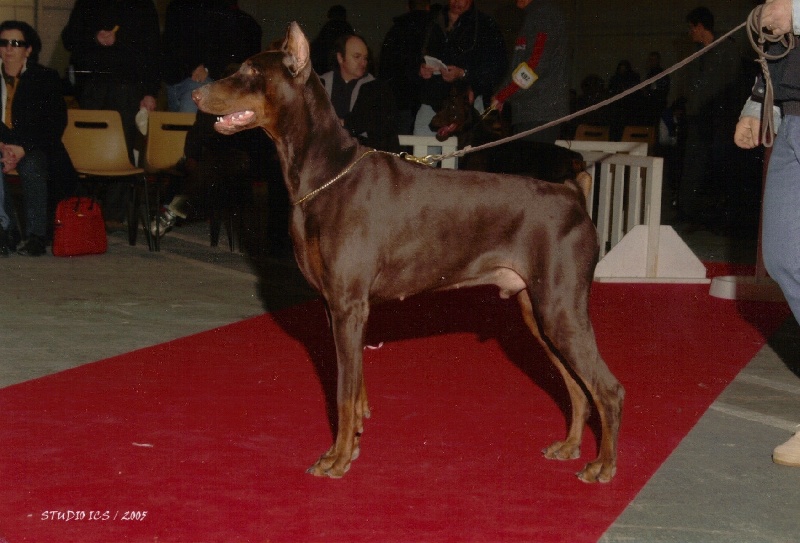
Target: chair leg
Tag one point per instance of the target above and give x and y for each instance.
(214, 225)
(152, 241)
(156, 215)
(229, 230)
(133, 223)
(239, 230)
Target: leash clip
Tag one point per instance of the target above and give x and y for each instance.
(427, 160)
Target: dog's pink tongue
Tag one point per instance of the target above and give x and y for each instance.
(444, 132)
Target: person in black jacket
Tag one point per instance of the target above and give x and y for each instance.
(470, 45)
(114, 46)
(34, 116)
(401, 55)
(713, 89)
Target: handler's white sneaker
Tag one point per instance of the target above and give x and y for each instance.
(788, 454)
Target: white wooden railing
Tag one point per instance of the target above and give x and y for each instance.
(594, 152)
(629, 194)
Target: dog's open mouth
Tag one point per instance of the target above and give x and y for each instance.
(234, 121)
(446, 131)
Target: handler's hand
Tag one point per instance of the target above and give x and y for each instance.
(747, 133)
(11, 155)
(106, 38)
(148, 102)
(425, 71)
(497, 105)
(453, 73)
(776, 16)
(200, 74)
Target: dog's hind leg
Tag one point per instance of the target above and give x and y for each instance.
(566, 327)
(570, 448)
(348, 321)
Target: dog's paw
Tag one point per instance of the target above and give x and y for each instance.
(333, 472)
(597, 472)
(330, 473)
(562, 450)
(328, 464)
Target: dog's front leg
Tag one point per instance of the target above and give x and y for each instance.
(348, 322)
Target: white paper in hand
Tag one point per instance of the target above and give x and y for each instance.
(436, 64)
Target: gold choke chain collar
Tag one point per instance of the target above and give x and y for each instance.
(428, 160)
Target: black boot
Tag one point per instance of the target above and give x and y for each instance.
(14, 238)
(4, 248)
(35, 246)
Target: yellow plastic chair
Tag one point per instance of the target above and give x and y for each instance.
(587, 132)
(166, 138)
(96, 145)
(643, 134)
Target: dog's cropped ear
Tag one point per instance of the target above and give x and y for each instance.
(297, 50)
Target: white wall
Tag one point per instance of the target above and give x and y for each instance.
(21, 10)
(51, 19)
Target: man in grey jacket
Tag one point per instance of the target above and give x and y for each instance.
(538, 89)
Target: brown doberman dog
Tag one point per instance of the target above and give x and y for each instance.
(458, 117)
(370, 226)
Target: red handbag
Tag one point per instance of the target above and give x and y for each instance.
(79, 228)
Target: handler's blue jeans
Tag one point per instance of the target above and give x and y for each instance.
(781, 220)
(179, 95)
(33, 177)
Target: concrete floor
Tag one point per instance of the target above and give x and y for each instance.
(718, 486)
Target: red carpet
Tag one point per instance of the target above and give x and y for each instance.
(210, 435)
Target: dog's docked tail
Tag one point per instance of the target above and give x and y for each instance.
(583, 183)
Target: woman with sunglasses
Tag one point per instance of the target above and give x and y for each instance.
(34, 116)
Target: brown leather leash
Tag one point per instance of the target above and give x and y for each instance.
(758, 40)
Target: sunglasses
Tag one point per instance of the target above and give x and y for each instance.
(13, 43)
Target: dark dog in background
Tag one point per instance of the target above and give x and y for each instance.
(458, 117)
(369, 226)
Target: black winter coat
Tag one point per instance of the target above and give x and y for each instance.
(207, 32)
(401, 56)
(474, 44)
(134, 58)
(39, 117)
